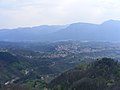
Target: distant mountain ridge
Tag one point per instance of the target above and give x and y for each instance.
(107, 31)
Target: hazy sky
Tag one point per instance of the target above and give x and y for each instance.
(17, 13)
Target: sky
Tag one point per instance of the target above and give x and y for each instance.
(25, 13)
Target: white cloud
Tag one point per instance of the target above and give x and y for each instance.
(17, 13)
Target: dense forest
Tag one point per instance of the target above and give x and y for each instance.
(58, 65)
(103, 74)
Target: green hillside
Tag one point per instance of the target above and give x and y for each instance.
(103, 74)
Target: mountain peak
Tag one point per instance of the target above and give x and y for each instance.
(111, 21)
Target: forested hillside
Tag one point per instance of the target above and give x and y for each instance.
(103, 74)
(34, 65)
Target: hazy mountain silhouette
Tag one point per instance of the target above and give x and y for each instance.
(107, 31)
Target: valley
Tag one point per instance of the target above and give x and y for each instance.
(34, 65)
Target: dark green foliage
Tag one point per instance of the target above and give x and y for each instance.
(7, 57)
(16, 87)
(103, 74)
(39, 84)
(105, 67)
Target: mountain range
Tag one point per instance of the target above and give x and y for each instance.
(107, 31)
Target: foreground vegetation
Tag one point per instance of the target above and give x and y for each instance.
(103, 74)
(39, 65)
